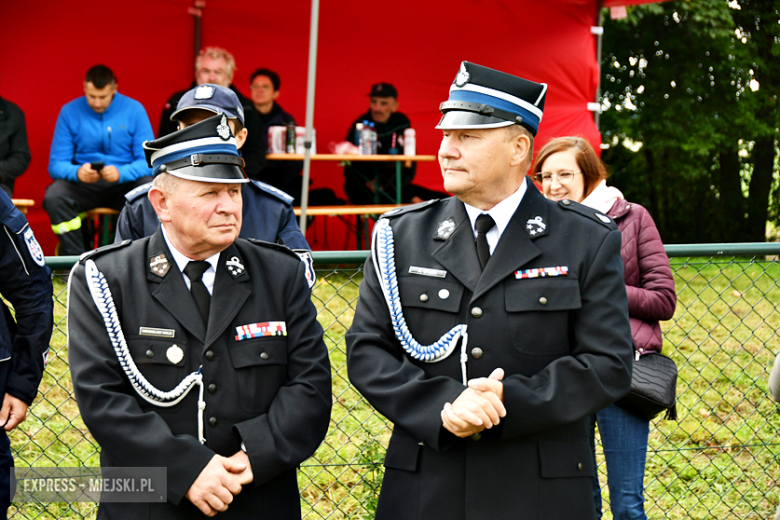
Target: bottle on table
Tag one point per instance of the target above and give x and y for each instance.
(290, 138)
(373, 137)
(363, 138)
(410, 142)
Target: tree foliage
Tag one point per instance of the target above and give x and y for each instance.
(690, 93)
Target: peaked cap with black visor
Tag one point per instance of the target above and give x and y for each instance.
(486, 98)
(203, 152)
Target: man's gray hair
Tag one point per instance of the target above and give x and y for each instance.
(166, 182)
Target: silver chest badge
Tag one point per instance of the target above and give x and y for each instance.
(223, 129)
(463, 76)
(174, 354)
(159, 265)
(535, 226)
(204, 92)
(445, 229)
(234, 267)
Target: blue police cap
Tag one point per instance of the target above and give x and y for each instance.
(213, 98)
(204, 152)
(486, 98)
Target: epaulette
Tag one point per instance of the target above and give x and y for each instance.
(589, 212)
(279, 247)
(138, 191)
(408, 209)
(105, 249)
(276, 192)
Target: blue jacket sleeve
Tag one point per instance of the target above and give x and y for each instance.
(143, 132)
(26, 283)
(289, 233)
(62, 149)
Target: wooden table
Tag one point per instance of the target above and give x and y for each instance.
(23, 204)
(407, 160)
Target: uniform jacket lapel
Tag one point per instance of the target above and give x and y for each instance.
(516, 247)
(229, 294)
(171, 291)
(458, 253)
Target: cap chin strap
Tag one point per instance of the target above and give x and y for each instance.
(198, 159)
(480, 108)
(383, 254)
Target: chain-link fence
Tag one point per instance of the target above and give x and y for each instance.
(716, 461)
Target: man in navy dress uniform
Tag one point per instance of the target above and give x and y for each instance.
(214, 366)
(25, 281)
(490, 325)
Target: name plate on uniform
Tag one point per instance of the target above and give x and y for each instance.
(427, 271)
(157, 333)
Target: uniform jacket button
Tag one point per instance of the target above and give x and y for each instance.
(423, 297)
(566, 202)
(543, 300)
(210, 355)
(150, 353)
(476, 312)
(579, 466)
(444, 294)
(213, 421)
(476, 352)
(212, 388)
(264, 355)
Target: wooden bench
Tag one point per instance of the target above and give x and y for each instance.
(362, 213)
(23, 204)
(104, 221)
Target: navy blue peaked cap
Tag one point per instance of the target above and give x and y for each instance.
(205, 152)
(211, 97)
(481, 97)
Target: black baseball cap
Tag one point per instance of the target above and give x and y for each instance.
(383, 90)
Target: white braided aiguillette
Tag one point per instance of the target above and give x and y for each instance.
(101, 295)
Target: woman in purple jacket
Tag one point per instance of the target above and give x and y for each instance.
(568, 168)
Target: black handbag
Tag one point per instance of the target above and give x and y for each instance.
(653, 387)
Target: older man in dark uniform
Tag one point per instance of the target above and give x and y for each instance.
(490, 325)
(198, 352)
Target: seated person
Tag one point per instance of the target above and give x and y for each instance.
(97, 156)
(267, 213)
(14, 150)
(361, 178)
(216, 65)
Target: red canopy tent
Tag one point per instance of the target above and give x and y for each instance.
(415, 45)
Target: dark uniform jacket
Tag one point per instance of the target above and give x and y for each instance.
(273, 393)
(253, 150)
(564, 342)
(14, 150)
(267, 216)
(25, 282)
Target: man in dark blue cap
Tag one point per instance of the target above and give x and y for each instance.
(193, 306)
(490, 325)
(267, 211)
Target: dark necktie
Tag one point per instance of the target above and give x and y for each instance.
(194, 271)
(483, 224)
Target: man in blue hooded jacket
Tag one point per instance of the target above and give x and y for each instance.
(96, 156)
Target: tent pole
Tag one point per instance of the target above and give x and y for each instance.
(196, 11)
(312, 80)
(599, 37)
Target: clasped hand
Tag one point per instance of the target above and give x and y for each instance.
(219, 481)
(478, 407)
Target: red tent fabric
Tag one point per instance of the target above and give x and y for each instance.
(418, 46)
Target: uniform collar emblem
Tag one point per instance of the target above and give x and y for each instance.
(234, 267)
(223, 129)
(159, 265)
(463, 76)
(445, 229)
(535, 226)
(204, 92)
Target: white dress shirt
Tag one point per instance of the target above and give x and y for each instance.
(182, 260)
(501, 214)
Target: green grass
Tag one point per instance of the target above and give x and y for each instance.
(718, 461)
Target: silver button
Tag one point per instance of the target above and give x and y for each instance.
(444, 294)
(264, 355)
(423, 297)
(476, 312)
(579, 466)
(543, 300)
(566, 202)
(476, 352)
